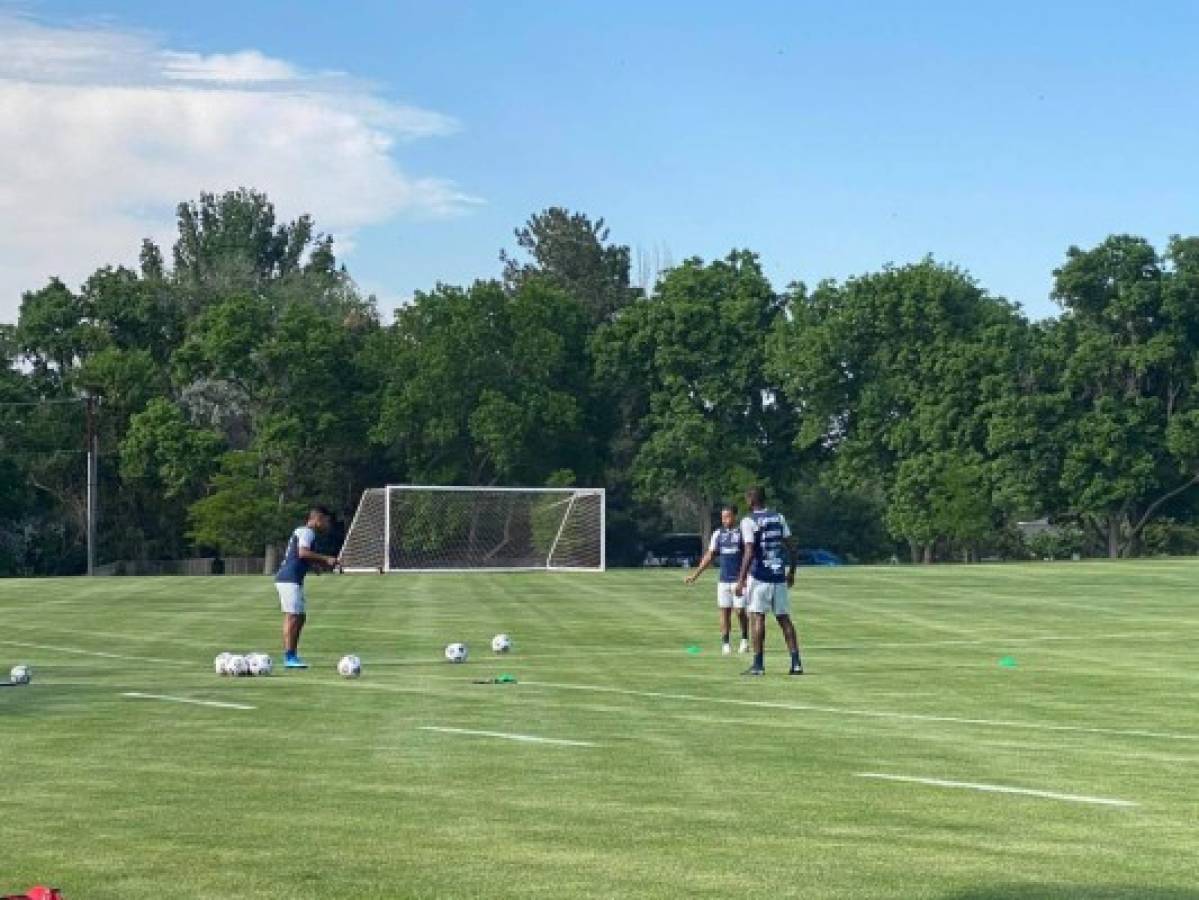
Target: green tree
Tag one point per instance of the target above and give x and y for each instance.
(281, 378)
(134, 312)
(1127, 416)
(55, 331)
(823, 514)
(242, 513)
(163, 451)
(572, 252)
(233, 241)
(690, 363)
(484, 386)
(893, 374)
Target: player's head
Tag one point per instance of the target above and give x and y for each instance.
(728, 516)
(755, 497)
(319, 517)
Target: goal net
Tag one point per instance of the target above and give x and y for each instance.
(410, 528)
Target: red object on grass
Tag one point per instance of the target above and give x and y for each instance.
(38, 892)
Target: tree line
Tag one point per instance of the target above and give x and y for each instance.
(903, 412)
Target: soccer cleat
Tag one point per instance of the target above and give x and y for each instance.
(796, 670)
(754, 670)
(744, 647)
(725, 649)
(293, 661)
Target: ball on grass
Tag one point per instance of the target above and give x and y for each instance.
(501, 643)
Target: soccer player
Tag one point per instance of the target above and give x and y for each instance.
(767, 539)
(289, 582)
(727, 542)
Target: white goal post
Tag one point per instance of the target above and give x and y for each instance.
(429, 528)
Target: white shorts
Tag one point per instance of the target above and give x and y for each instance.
(767, 597)
(726, 598)
(291, 597)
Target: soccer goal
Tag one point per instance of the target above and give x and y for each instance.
(419, 528)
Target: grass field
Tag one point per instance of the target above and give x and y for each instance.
(684, 780)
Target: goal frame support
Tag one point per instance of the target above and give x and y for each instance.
(575, 494)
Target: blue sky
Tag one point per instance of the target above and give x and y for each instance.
(830, 138)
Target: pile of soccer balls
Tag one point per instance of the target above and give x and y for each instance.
(458, 652)
(20, 675)
(240, 665)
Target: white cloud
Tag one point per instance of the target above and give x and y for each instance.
(246, 66)
(102, 132)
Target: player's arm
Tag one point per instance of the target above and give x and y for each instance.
(701, 568)
(749, 541)
(321, 559)
(304, 550)
(792, 548)
(713, 546)
(793, 552)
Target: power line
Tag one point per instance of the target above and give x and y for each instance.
(40, 454)
(7, 403)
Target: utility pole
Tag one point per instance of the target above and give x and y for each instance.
(92, 454)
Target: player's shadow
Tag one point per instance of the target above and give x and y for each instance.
(874, 670)
(1027, 891)
(835, 648)
(41, 701)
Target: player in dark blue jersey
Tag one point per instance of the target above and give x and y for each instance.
(289, 582)
(726, 543)
(766, 577)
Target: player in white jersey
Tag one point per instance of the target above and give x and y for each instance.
(726, 543)
(767, 546)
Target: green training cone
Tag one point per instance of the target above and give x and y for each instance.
(694, 649)
(1008, 662)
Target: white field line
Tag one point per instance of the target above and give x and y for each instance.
(78, 652)
(867, 713)
(167, 697)
(997, 789)
(524, 738)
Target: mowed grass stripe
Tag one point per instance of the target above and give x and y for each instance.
(867, 713)
(341, 770)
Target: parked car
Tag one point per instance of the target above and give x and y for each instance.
(676, 550)
(819, 558)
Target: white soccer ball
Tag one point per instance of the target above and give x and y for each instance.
(456, 653)
(260, 664)
(501, 643)
(349, 666)
(20, 675)
(220, 665)
(237, 665)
